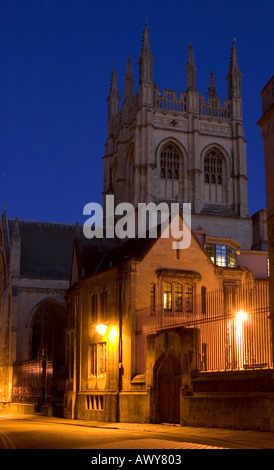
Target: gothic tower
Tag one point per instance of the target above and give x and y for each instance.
(164, 147)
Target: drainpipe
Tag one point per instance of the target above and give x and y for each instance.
(120, 354)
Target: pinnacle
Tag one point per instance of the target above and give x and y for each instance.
(114, 82)
(190, 56)
(145, 49)
(212, 87)
(191, 70)
(129, 73)
(234, 65)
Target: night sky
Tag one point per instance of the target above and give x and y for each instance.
(56, 59)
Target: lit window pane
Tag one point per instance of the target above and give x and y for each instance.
(178, 297)
(102, 358)
(167, 296)
(221, 255)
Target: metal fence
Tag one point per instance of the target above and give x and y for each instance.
(234, 324)
(35, 381)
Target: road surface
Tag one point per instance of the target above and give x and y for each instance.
(57, 433)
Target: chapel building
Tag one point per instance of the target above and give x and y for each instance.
(145, 318)
(133, 329)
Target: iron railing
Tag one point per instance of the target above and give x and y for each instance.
(234, 327)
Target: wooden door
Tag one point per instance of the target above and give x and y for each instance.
(169, 383)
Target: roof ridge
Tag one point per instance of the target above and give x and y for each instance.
(13, 219)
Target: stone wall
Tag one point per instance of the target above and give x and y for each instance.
(237, 400)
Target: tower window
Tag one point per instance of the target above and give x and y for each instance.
(169, 162)
(213, 168)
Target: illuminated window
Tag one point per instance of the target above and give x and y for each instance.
(93, 359)
(169, 162)
(152, 298)
(167, 296)
(221, 255)
(178, 297)
(189, 298)
(102, 358)
(211, 252)
(231, 257)
(97, 359)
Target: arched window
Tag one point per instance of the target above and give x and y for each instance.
(48, 332)
(213, 168)
(169, 162)
(167, 296)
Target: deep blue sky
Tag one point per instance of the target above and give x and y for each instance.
(56, 58)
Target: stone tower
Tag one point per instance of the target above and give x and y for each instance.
(164, 147)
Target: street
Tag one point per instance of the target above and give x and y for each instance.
(39, 432)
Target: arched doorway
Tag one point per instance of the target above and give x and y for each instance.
(41, 379)
(48, 348)
(169, 384)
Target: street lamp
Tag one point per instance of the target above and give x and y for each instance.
(101, 329)
(241, 316)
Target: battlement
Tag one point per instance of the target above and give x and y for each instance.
(170, 102)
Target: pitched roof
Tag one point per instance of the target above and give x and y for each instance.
(97, 255)
(46, 248)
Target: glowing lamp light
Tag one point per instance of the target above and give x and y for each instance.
(101, 329)
(241, 316)
(113, 335)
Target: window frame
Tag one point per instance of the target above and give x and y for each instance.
(225, 252)
(97, 359)
(172, 292)
(170, 162)
(178, 297)
(214, 168)
(168, 299)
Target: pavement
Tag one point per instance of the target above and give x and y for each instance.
(246, 439)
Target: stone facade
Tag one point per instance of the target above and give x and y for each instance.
(138, 314)
(34, 279)
(163, 148)
(115, 374)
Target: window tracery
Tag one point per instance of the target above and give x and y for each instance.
(213, 168)
(169, 162)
